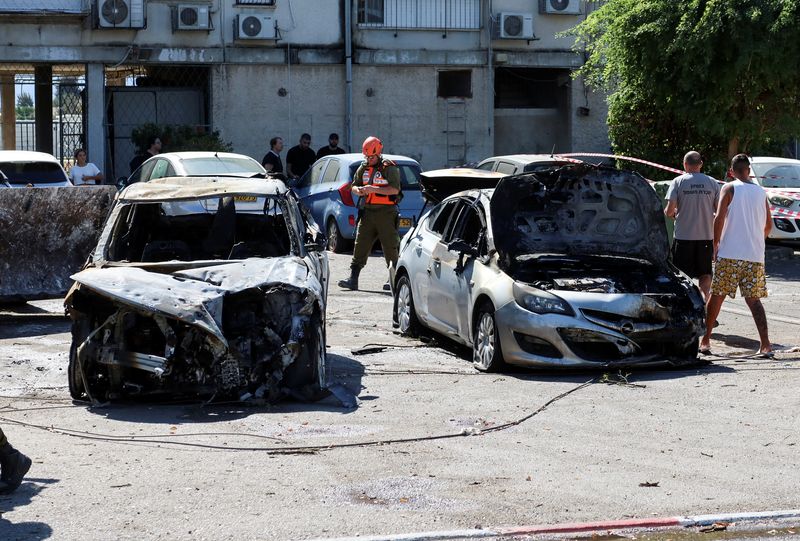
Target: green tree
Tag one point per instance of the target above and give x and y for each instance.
(720, 76)
(177, 138)
(24, 110)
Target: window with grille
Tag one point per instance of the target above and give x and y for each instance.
(370, 11)
(255, 2)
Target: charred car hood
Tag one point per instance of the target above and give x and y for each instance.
(578, 210)
(441, 183)
(195, 295)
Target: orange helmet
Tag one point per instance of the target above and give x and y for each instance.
(372, 146)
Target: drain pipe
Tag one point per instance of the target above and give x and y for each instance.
(348, 73)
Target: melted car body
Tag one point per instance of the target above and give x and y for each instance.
(564, 267)
(187, 295)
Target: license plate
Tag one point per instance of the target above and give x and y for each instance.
(245, 198)
(405, 222)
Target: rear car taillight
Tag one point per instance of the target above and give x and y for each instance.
(346, 194)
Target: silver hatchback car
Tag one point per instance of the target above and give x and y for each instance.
(566, 267)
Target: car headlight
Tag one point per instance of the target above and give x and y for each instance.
(779, 201)
(541, 302)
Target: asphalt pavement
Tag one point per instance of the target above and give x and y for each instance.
(432, 445)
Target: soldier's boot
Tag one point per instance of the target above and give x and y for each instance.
(14, 466)
(352, 282)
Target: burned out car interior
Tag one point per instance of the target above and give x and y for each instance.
(200, 291)
(567, 267)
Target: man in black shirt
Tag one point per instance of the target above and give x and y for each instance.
(332, 148)
(272, 159)
(300, 157)
(153, 148)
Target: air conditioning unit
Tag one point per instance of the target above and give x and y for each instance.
(560, 7)
(120, 13)
(191, 17)
(515, 25)
(255, 27)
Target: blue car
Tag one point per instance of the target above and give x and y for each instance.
(325, 191)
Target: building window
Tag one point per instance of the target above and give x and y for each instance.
(455, 84)
(370, 12)
(255, 2)
(530, 88)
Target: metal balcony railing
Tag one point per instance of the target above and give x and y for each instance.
(420, 14)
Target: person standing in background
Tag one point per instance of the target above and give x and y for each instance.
(82, 172)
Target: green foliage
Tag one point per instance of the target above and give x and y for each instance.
(179, 138)
(718, 76)
(24, 100)
(24, 109)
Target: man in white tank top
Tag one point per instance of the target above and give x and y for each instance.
(741, 226)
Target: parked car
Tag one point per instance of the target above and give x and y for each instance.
(515, 164)
(325, 191)
(192, 299)
(566, 267)
(197, 164)
(781, 179)
(23, 168)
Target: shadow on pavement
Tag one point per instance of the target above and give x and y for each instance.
(26, 327)
(343, 373)
(28, 531)
(785, 269)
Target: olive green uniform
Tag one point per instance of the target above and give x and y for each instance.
(3, 439)
(377, 222)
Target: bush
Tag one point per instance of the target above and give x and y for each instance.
(179, 138)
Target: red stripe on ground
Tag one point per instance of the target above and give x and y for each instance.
(592, 526)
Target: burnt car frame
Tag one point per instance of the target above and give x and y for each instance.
(565, 267)
(201, 287)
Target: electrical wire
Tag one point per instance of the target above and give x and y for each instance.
(163, 439)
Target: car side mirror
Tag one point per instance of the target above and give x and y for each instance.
(460, 246)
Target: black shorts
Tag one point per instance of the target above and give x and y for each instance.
(693, 256)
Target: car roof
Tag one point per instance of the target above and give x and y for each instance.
(200, 154)
(354, 157)
(525, 158)
(188, 188)
(26, 156)
(767, 159)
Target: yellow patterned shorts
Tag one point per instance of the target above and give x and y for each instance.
(747, 275)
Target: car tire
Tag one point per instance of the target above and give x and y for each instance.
(336, 243)
(404, 309)
(80, 330)
(487, 354)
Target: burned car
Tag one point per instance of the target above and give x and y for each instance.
(565, 267)
(201, 287)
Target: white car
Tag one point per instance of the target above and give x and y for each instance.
(197, 164)
(24, 168)
(781, 179)
(515, 164)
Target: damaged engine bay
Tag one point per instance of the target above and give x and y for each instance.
(167, 323)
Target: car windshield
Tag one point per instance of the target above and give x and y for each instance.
(213, 165)
(33, 172)
(409, 175)
(777, 175)
(202, 229)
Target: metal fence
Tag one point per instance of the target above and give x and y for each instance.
(420, 14)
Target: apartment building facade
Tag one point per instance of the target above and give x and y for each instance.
(443, 81)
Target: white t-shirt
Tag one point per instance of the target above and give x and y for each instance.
(76, 173)
(743, 234)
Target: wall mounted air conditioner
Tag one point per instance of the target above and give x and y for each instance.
(191, 17)
(515, 25)
(120, 13)
(562, 7)
(255, 27)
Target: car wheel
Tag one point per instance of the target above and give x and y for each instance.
(405, 312)
(487, 355)
(336, 242)
(80, 330)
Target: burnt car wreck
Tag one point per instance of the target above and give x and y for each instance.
(565, 267)
(201, 288)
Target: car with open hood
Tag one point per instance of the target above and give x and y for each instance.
(189, 294)
(565, 267)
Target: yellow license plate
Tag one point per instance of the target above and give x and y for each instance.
(245, 198)
(405, 222)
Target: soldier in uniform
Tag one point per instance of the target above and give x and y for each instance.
(377, 182)
(13, 466)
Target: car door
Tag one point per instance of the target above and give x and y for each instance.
(326, 195)
(309, 188)
(451, 287)
(420, 249)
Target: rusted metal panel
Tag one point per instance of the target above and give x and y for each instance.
(46, 235)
